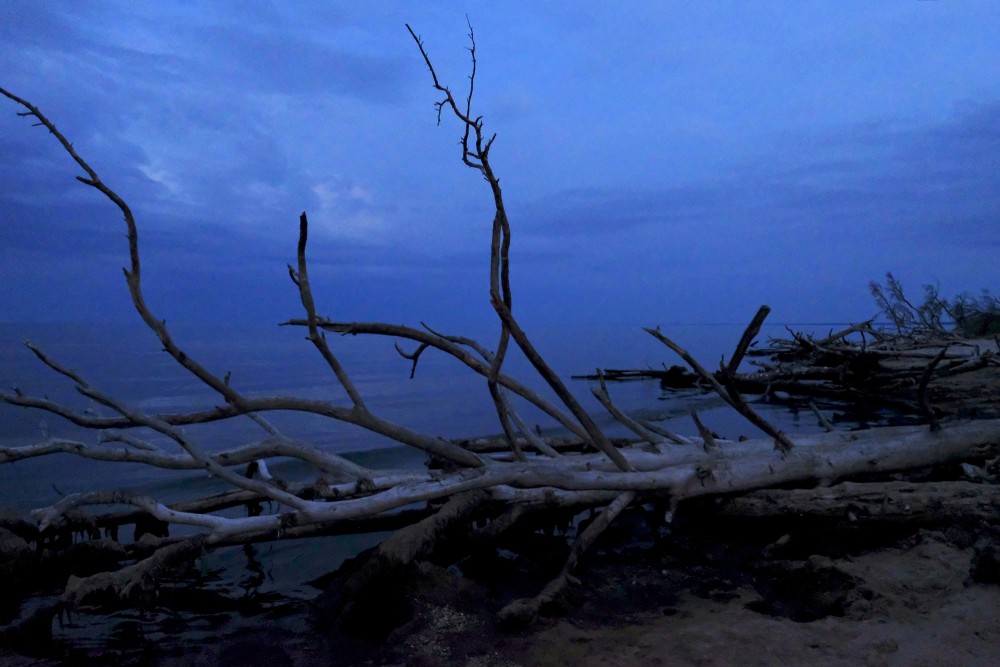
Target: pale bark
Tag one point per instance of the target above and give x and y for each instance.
(941, 503)
(592, 471)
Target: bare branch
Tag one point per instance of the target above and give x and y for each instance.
(137, 576)
(733, 398)
(125, 438)
(301, 278)
(133, 273)
(523, 611)
(707, 437)
(925, 377)
(371, 422)
(823, 421)
(531, 437)
(500, 293)
(453, 346)
(748, 335)
(412, 356)
(629, 423)
(669, 435)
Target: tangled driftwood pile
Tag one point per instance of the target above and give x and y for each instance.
(929, 376)
(477, 495)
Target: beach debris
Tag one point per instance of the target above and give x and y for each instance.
(469, 497)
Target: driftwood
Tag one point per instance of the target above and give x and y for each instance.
(860, 365)
(941, 503)
(472, 488)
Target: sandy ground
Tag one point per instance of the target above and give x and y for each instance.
(922, 614)
(910, 604)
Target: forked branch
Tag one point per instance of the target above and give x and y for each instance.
(470, 485)
(500, 292)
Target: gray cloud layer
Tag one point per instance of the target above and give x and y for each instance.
(220, 125)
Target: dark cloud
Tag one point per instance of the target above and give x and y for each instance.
(290, 64)
(599, 211)
(219, 123)
(28, 23)
(84, 229)
(940, 181)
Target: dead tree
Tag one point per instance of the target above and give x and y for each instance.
(860, 368)
(531, 474)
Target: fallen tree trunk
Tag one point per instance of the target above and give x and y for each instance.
(907, 375)
(680, 471)
(871, 502)
(484, 489)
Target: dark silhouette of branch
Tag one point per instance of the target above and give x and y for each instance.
(500, 293)
(469, 482)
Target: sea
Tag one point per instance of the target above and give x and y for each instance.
(443, 398)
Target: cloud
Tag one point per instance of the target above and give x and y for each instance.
(348, 210)
(308, 67)
(882, 180)
(67, 229)
(154, 171)
(718, 159)
(605, 211)
(28, 24)
(332, 195)
(802, 227)
(216, 98)
(919, 183)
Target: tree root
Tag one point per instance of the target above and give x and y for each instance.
(135, 579)
(870, 502)
(373, 599)
(523, 612)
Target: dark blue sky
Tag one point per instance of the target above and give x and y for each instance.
(662, 162)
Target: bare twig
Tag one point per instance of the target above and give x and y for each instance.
(453, 345)
(604, 397)
(523, 611)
